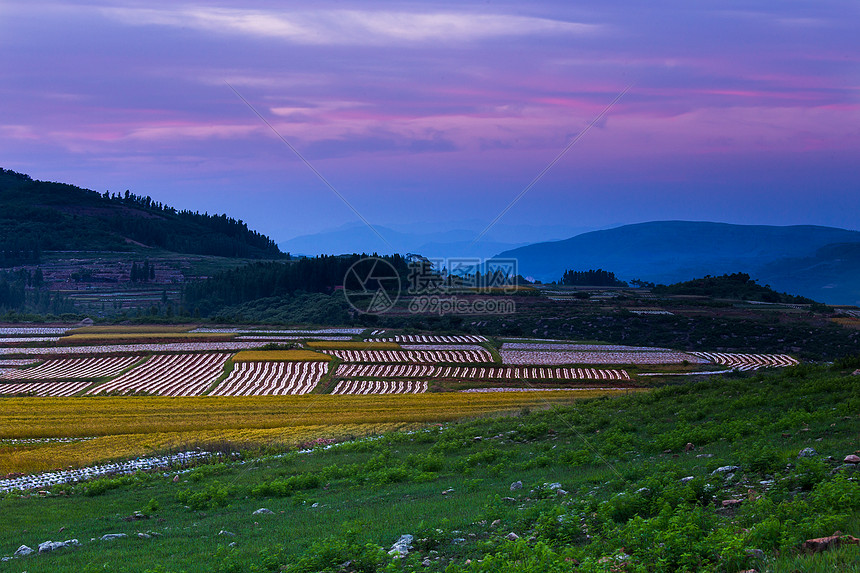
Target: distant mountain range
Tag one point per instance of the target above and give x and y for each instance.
(822, 263)
(438, 239)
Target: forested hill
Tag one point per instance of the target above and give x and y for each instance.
(37, 216)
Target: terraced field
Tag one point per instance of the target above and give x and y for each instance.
(366, 362)
(271, 378)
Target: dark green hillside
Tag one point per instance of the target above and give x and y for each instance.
(737, 286)
(37, 216)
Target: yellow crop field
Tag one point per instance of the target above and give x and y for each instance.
(113, 336)
(280, 356)
(847, 322)
(353, 345)
(135, 426)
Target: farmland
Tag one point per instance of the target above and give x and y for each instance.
(463, 375)
(238, 405)
(369, 361)
(456, 487)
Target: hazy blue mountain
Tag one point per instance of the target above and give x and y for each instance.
(818, 262)
(832, 274)
(431, 239)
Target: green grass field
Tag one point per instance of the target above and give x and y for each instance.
(622, 462)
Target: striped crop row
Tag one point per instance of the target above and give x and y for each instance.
(380, 387)
(384, 370)
(72, 368)
(44, 388)
(433, 339)
(534, 373)
(169, 375)
(412, 357)
(748, 361)
(271, 378)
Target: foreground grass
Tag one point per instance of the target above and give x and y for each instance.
(622, 461)
(135, 426)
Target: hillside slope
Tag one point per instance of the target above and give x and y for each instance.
(38, 216)
(674, 251)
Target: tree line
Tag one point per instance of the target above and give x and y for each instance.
(38, 216)
(322, 274)
(591, 277)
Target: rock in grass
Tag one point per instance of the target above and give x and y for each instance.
(825, 543)
(807, 453)
(263, 511)
(512, 536)
(112, 536)
(516, 485)
(23, 551)
(49, 546)
(402, 546)
(852, 459)
(725, 469)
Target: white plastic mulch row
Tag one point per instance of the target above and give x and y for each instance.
(72, 368)
(271, 378)
(28, 339)
(548, 346)
(533, 373)
(169, 375)
(442, 347)
(412, 356)
(380, 387)
(282, 331)
(433, 339)
(384, 370)
(749, 361)
(48, 479)
(44, 388)
(32, 331)
(11, 363)
(137, 348)
(571, 357)
(474, 390)
(278, 337)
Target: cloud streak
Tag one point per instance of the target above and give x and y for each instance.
(351, 27)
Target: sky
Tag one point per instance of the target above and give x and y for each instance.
(426, 114)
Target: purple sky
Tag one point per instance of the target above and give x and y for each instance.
(443, 111)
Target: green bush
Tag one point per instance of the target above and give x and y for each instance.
(210, 497)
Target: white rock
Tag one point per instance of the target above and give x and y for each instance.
(725, 469)
(23, 551)
(402, 546)
(263, 511)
